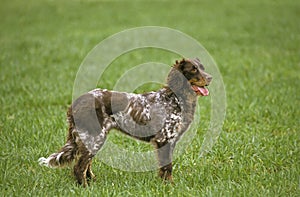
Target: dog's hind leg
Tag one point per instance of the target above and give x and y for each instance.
(89, 173)
(82, 169)
(89, 144)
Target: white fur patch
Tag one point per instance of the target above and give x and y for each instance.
(45, 162)
(96, 92)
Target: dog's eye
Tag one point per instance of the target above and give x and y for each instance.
(194, 69)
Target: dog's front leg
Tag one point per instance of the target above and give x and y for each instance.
(164, 153)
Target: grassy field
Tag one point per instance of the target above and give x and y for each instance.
(256, 45)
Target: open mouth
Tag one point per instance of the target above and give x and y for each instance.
(200, 90)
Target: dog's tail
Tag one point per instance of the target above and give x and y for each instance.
(66, 154)
(62, 158)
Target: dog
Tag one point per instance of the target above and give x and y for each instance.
(160, 118)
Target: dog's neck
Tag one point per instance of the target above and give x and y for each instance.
(178, 86)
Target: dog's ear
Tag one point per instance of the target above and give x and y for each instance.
(179, 64)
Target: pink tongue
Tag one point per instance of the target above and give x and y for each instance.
(202, 90)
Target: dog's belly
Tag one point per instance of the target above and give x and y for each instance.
(157, 118)
(164, 121)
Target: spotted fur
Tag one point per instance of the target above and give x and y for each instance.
(159, 117)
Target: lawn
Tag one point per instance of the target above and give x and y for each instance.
(256, 45)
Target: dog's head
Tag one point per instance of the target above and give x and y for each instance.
(193, 75)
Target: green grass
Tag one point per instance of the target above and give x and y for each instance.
(256, 45)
